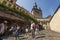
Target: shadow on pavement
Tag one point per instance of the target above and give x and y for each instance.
(40, 37)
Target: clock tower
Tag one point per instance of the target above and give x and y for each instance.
(36, 12)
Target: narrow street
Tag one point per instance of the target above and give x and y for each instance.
(42, 35)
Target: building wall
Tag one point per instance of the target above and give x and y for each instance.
(55, 22)
(44, 23)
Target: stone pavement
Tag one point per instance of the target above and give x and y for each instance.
(41, 35)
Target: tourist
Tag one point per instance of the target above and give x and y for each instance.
(2, 29)
(36, 30)
(33, 29)
(26, 29)
(18, 29)
(14, 32)
(5, 29)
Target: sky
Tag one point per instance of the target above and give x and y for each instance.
(48, 7)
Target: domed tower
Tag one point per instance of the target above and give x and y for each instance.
(36, 12)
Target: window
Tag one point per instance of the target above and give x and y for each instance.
(11, 1)
(9, 5)
(4, 2)
(17, 7)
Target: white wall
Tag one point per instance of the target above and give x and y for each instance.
(55, 22)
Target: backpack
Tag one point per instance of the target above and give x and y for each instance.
(33, 27)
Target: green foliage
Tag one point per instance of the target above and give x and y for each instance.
(26, 16)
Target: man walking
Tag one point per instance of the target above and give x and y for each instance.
(33, 29)
(2, 28)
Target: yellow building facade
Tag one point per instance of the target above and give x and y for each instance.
(55, 21)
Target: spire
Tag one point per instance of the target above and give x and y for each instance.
(35, 5)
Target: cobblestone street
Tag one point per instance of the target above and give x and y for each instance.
(42, 35)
